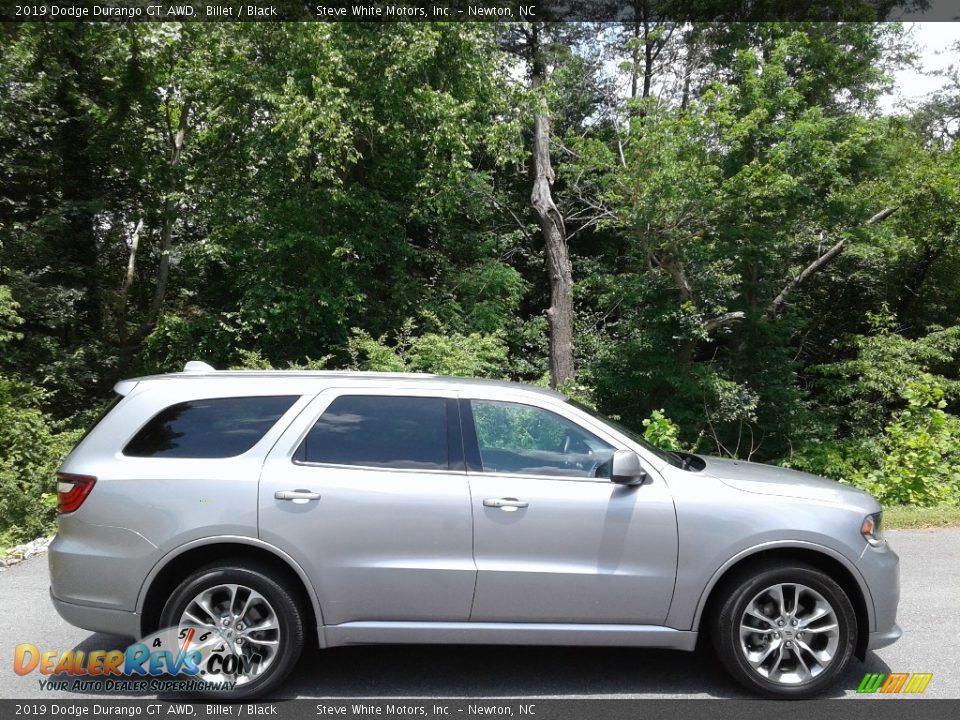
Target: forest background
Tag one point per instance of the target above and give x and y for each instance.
(716, 232)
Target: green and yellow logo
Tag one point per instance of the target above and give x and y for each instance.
(894, 683)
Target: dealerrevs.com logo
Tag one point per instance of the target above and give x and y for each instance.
(180, 659)
(894, 683)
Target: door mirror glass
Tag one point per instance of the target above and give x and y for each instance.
(627, 469)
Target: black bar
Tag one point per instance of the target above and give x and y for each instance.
(474, 10)
(521, 708)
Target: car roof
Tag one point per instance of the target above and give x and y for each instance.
(202, 372)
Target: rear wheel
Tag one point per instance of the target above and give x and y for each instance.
(247, 626)
(785, 632)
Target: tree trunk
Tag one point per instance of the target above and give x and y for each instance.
(128, 283)
(641, 29)
(560, 313)
(647, 53)
(635, 57)
(170, 210)
(687, 71)
(75, 243)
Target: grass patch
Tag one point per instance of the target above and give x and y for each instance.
(906, 517)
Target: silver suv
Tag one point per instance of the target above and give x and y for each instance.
(256, 508)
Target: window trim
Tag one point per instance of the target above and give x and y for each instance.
(455, 450)
(471, 443)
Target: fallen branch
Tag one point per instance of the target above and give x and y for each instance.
(722, 320)
(774, 307)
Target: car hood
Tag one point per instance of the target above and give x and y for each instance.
(771, 480)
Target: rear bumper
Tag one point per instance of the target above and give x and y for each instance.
(98, 565)
(98, 619)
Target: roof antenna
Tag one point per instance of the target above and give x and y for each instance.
(198, 366)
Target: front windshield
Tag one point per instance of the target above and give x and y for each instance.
(664, 455)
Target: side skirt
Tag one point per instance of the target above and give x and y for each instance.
(487, 633)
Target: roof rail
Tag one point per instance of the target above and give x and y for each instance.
(198, 366)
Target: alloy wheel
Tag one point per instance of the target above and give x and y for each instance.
(789, 633)
(237, 621)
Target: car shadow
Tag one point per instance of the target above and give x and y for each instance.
(505, 671)
(372, 671)
(85, 684)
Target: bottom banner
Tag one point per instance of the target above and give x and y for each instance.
(533, 708)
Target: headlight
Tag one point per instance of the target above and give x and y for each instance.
(872, 528)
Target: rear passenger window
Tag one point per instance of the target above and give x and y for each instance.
(215, 428)
(380, 431)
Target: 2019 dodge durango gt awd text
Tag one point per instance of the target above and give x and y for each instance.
(258, 507)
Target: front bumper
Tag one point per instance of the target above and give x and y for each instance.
(98, 619)
(880, 567)
(884, 637)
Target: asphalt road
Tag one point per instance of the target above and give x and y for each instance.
(930, 601)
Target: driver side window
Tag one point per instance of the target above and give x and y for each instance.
(526, 440)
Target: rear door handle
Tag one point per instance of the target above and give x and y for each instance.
(298, 496)
(507, 504)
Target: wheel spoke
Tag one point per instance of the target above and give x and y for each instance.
(781, 652)
(821, 657)
(255, 641)
(251, 597)
(747, 631)
(805, 673)
(778, 596)
(269, 624)
(759, 616)
(199, 644)
(821, 629)
(233, 596)
(757, 662)
(204, 604)
(194, 620)
(820, 612)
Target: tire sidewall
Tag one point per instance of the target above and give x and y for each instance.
(727, 629)
(288, 613)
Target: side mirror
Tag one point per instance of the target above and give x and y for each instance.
(626, 468)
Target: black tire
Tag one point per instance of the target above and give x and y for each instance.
(741, 590)
(283, 601)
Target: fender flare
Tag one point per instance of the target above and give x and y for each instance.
(788, 544)
(235, 540)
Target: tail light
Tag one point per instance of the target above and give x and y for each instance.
(72, 490)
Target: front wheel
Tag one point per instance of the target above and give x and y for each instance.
(785, 632)
(245, 624)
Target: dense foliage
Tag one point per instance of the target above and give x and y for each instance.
(764, 264)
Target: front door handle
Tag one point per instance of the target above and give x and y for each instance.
(507, 504)
(298, 496)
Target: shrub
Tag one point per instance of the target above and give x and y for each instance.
(473, 355)
(30, 453)
(915, 461)
(662, 432)
(919, 459)
(836, 459)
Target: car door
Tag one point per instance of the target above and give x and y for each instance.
(554, 539)
(367, 491)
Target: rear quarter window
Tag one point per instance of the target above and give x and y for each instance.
(213, 428)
